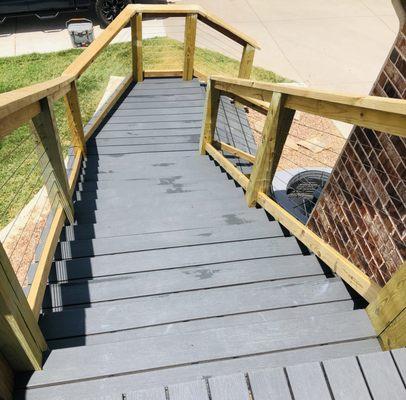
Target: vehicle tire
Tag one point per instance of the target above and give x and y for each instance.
(107, 10)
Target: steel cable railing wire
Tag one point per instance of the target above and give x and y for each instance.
(20, 191)
(52, 202)
(28, 197)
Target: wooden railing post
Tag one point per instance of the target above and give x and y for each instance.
(277, 124)
(21, 340)
(388, 312)
(75, 119)
(190, 44)
(136, 45)
(247, 61)
(46, 131)
(211, 108)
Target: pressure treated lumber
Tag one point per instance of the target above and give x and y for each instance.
(350, 273)
(136, 47)
(211, 108)
(75, 119)
(383, 114)
(233, 150)
(21, 341)
(246, 62)
(38, 285)
(189, 46)
(277, 124)
(388, 311)
(46, 131)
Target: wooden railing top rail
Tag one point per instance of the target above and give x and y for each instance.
(203, 15)
(14, 100)
(380, 113)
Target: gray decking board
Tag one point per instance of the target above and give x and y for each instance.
(168, 277)
(120, 333)
(346, 379)
(115, 386)
(269, 384)
(230, 387)
(307, 382)
(171, 281)
(178, 307)
(89, 362)
(195, 390)
(382, 376)
(179, 258)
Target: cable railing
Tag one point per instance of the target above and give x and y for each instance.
(46, 158)
(43, 154)
(278, 103)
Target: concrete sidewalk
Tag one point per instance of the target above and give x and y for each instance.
(333, 44)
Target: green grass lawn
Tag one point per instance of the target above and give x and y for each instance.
(20, 175)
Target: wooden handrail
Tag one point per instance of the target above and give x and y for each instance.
(379, 113)
(284, 100)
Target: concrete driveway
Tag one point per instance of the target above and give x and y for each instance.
(333, 44)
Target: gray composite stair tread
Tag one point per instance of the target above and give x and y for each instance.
(269, 384)
(151, 394)
(168, 277)
(179, 307)
(111, 239)
(300, 381)
(382, 376)
(89, 362)
(121, 332)
(180, 257)
(399, 356)
(154, 239)
(307, 382)
(176, 280)
(181, 216)
(195, 390)
(229, 387)
(114, 386)
(346, 380)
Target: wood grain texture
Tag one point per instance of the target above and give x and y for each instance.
(233, 150)
(45, 129)
(210, 113)
(276, 127)
(383, 114)
(189, 46)
(75, 119)
(136, 47)
(390, 303)
(21, 341)
(247, 60)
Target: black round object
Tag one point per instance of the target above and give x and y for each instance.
(107, 10)
(305, 188)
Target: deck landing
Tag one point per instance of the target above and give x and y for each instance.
(167, 276)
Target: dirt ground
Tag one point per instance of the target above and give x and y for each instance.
(312, 141)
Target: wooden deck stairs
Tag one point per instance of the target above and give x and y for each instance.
(166, 285)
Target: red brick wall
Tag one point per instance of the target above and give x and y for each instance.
(361, 212)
